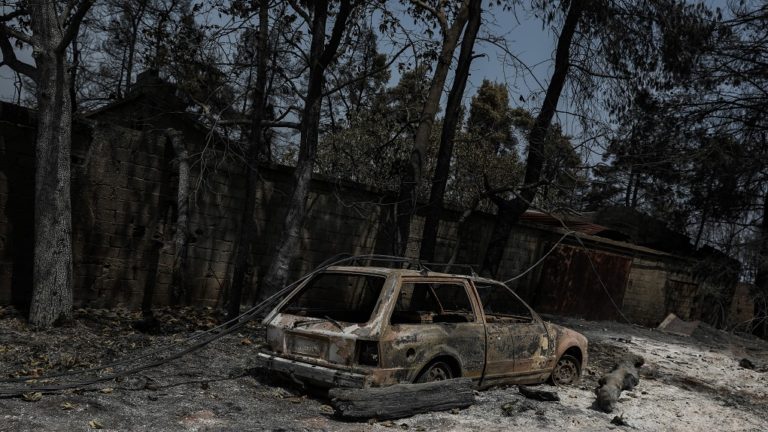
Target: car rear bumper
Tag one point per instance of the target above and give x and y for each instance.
(315, 374)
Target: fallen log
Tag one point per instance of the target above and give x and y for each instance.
(623, 376)
(402, 400)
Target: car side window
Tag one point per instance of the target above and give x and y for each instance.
(422, 303)
(500, 304)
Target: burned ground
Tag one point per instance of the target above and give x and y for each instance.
(688, 383)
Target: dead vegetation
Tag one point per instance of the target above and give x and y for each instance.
(687, 383)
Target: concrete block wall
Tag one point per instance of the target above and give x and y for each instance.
(742, 308)
(644, 296)
(124, 210)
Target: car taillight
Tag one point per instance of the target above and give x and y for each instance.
(368, 353)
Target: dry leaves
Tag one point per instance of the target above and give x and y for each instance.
(66, 406)
(95, 424)
(32, 396)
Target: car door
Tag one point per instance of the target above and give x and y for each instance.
(519, 347)
(434, 317)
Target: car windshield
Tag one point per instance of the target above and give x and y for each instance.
(337, 297)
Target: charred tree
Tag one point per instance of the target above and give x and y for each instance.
(181, 235)
(448, 134)
(257, 147)
(52, 32)
(761, 278)
(414, 169)
(320, 57)
(509, 211)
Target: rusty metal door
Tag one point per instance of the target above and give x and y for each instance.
(434, 317)
(570, 285)
(518, 343)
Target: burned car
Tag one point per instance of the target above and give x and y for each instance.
(353, 326)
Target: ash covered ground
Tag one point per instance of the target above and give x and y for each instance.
(687, 383)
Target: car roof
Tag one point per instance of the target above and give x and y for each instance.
(387, 271)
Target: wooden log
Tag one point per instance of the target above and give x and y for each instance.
(623, 376)
(402, 400)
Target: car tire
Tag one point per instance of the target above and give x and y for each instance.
(567, 371)
(435, 371)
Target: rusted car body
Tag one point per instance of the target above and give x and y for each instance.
(375, 326)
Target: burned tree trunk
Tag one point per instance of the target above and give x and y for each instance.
(181, 236)
(624, 376)
(51, 35)
(509, 213)
(402, 400)
(321, 55)
(256, 148)
(440, 178)
(761, 278)
(52, 268)
(413, 171)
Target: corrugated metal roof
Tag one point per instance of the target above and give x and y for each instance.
(572, 223)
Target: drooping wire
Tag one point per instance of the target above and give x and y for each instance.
(592, 265)
(536, 264)
(213, 334)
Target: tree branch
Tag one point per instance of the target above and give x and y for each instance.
(366, 75)
(264, 123)
(9, 57)
(15, 14)
(16, 34)
(304, 15)
(329, 51)
(439, 15)
(74, 25)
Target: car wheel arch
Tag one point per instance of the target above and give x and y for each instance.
(446, 358)
(574, 351)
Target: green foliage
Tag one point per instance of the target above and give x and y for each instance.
(373, 141)
(488, 153)
(488, 150)
(691, 148)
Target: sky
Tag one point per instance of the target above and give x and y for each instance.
(526, 37)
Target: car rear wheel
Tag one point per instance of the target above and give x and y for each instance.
(435, 371)
(567, 370)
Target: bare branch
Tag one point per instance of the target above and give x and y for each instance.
(16, 34)
(366, 75)
(74, 25)
(9, 57)
(264, 123)
(304, 15)
(13, 15)
(438, 14)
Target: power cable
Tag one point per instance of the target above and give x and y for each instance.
(213, 334)
(540, 259)
(592, 265)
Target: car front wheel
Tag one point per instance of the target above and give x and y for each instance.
(437, 371)
(567, 370)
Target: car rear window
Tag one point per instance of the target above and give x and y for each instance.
(340, 296)
(426, 303)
